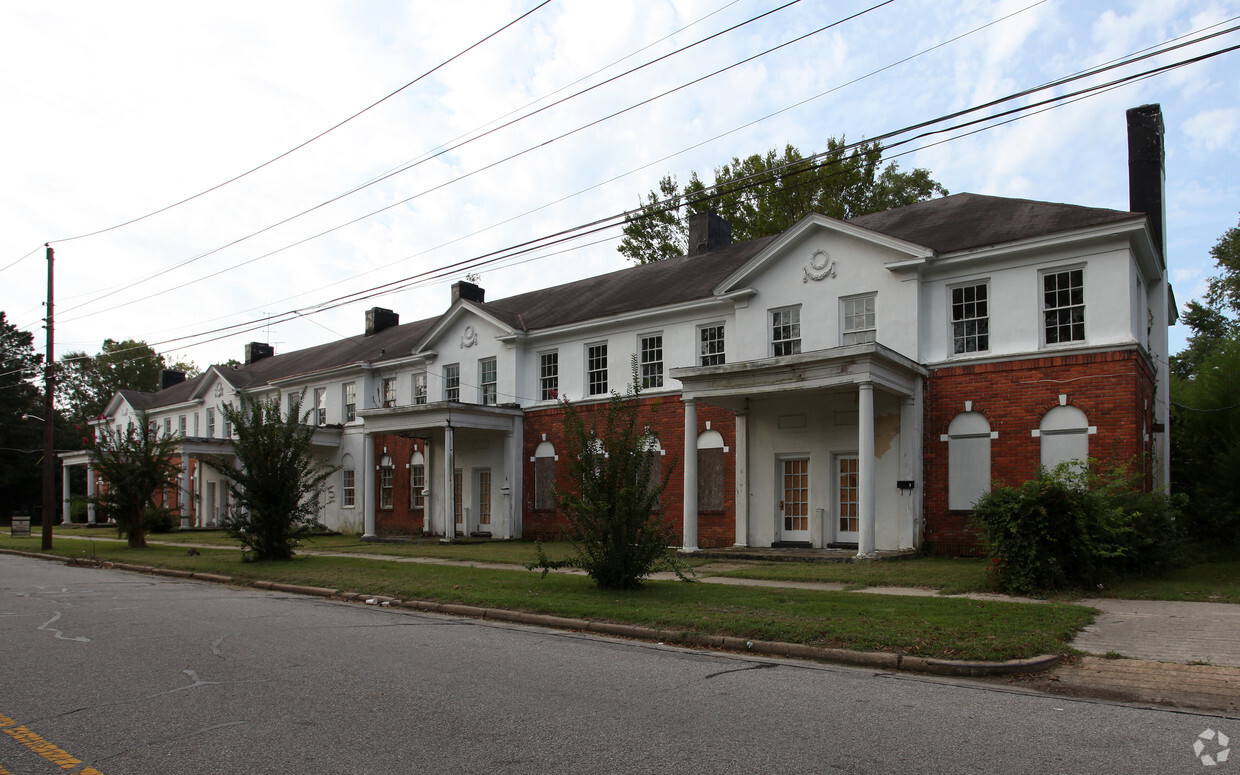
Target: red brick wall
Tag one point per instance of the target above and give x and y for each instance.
(665, 416)
(1115, 390)
(401, 519)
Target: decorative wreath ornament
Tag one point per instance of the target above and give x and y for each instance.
(469, 337)
(821, 266)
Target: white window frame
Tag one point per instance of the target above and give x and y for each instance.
(785, 321)
(1043, 309)
(650, 359)
(712, 351)
(349, 412)
(488, 382)
(953, 322)
(452, 382)
(593, 360)
(210, 422)
(419, 389)
(320, 406)
(549, 375)
(348, 488)
(181, 425)
(167, 427)
(387, 475)
(387, 392)
(851, 336)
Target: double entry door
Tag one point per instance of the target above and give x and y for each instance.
(794, 503)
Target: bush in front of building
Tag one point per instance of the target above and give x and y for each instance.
(1069, 528)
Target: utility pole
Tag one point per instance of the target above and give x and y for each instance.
(49, 436)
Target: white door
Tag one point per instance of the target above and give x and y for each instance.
(846, 500)
(794, 503)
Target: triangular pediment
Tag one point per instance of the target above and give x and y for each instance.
(463, 313)
(800, 232)
(213, 378)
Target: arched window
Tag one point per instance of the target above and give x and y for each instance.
(1065, 437)
(417, 479)
(544, 477)
(654, 458)
(968, 459)
(385, 482)
(710, 470)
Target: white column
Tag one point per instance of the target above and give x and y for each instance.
(908, 472)
(449, 479)
(742, 479)
(90, 493)
(64, 494)
(691, 478)
(865, 470)
(368, 486)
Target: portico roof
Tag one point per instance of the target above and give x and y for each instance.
(398, 420)
(834, 368)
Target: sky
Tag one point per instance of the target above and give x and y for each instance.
(117, 111)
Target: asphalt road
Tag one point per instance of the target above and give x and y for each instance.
(125, 673)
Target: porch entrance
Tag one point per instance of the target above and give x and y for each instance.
(794, 506)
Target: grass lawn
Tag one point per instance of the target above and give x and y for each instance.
(1211, 582)
(948, 575)
(933, 627)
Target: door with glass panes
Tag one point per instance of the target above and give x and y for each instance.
(794, 499)
(846, 531)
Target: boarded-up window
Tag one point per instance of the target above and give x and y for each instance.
(968, 460)
(710, 471)
(544, 477)
(654, 464)
(1065, 438)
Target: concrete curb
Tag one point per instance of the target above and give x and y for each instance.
(874, 659)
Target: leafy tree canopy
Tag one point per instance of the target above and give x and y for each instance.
(766, 194)
(276, 482)
(21, 440)
(88, 382)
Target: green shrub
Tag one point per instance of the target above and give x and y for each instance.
(1065, 529)
(159, 520)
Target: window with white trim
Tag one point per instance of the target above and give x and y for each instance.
(970, 315)
(419, 389)
(1064, 437)
(320, 406)
(786, 331)
(487, 390)
(1063, 306)
(452, 382)
(968, 459)
(389, 392)
(710, 345)
(181, 425)
(167, 427)
(596, 369)
(348, 487)
(210, 423)
(350, 402)
(417, 480)
(385, 482)
(651, 360)
(857, 325)
(549, 375)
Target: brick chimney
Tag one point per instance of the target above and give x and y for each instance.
(708, 232)
(378, 319)
(1147, 171)
(468, 291)
(170, 377)
(256, 351)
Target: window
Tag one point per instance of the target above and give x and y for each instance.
(544, 477)
(419, 389)
(385, 482)
(227, 425)
(167, 427)
(181, 425)
(484, 499)
(417, 480)
(458, 494)
(710, 451)
(320, 406)
(452, 382)
(786, 331)
(858, 324)
(1063, 306)
(970, 319)
(195, 424)
(710, 345)
(486, 382)
(596, 369)
(293, 400)
(652, 361)
(653, 465)
(348, 487)
(1064, 435)
(350, 401)
(389, 392)
(968, 459)
(549, 376)
(210, 423)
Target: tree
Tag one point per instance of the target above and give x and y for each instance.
(1205, 398)
(21, 440)
(87, 383)
(764, 195)
(135, 463)
(275, 481)
(612, 505)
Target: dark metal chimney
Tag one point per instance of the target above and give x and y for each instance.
(1147, 171)
(170, 377)
(708, 232)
